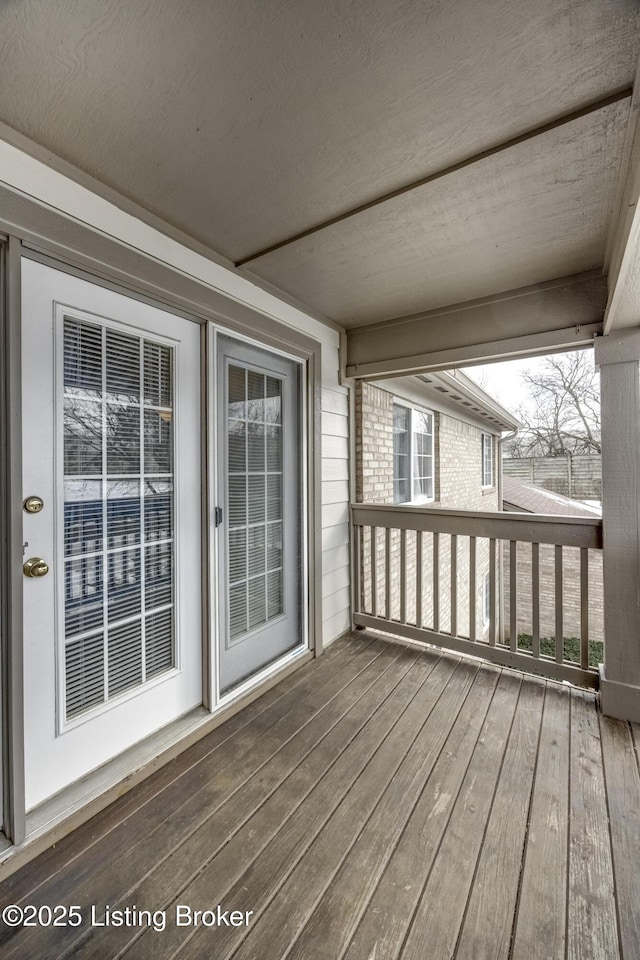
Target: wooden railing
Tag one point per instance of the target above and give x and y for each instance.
(517, 589)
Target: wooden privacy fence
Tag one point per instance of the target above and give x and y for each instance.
(445, 577)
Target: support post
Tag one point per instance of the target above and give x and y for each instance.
(618, 357)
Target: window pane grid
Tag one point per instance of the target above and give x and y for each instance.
(401, 454)
(412, 454)
(422, 438)
(118, 514)
(254, 498)
(487, 460)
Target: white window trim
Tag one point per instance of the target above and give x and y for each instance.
(491, 484)
(414, 501)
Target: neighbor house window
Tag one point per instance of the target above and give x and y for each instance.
(412, 455)
(401, 453)
(487, 460)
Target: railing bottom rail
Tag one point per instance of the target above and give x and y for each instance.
(501, 655)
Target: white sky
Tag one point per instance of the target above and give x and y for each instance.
(502, 380)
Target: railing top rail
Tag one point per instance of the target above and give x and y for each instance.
(526, 527)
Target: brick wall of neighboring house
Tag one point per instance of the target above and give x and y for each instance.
(457, 486)
(570, 591)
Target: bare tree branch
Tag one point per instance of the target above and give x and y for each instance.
(563, 415)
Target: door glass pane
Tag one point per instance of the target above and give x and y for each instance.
(118, 513)
(254, 497)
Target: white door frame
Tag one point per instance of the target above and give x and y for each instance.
(215, 398)
(59, 754)
(42, 234)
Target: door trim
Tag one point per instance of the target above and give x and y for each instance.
(11, 630)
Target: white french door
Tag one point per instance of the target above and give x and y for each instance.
(260, 476)
(111, 462)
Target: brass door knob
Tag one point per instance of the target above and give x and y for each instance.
(35, 567)
(33, 505)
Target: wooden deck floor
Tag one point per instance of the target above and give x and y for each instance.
(382, 803)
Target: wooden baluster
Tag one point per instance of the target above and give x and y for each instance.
(403, 576)
(492, 592)
(454, 584)
(374, 574)
(419, 578)
(513, 595)
(559, 631)
(358, 586)
(584, 607)
(436, 582)
(535, 598)
(472, 588)
(387, 573)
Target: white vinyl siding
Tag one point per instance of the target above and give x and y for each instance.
(335, 504)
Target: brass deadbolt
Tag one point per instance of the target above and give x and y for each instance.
(33, 504)
(35, 567)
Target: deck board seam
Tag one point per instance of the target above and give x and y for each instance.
(488, 818)
(567, 891)
(203, 866)
(303, 852)
(180, 762)
(419, 795)
(211, 812)
(611, 843)
(525, 842)
(447, 821)
(175, 894)
(373, 811)
(285, 877)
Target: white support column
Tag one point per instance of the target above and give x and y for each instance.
(618, 356)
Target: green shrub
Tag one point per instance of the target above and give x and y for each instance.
(571, 648)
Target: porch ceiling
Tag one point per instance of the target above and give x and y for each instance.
(247, 124)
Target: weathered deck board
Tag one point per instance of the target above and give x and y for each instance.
(623, 794)
(272, 705)
(326, 933)
(383, 802)
(486, 932)
(540, 931)
(435, 932)
(297, 892)
(591, 928)
(89, 880)
(230, 841)
(384, 924)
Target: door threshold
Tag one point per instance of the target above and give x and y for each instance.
(62, 813)
(257, 679)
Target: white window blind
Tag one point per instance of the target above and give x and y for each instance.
(255, 498)
(118, 513)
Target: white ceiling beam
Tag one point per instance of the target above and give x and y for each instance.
(563, 314)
